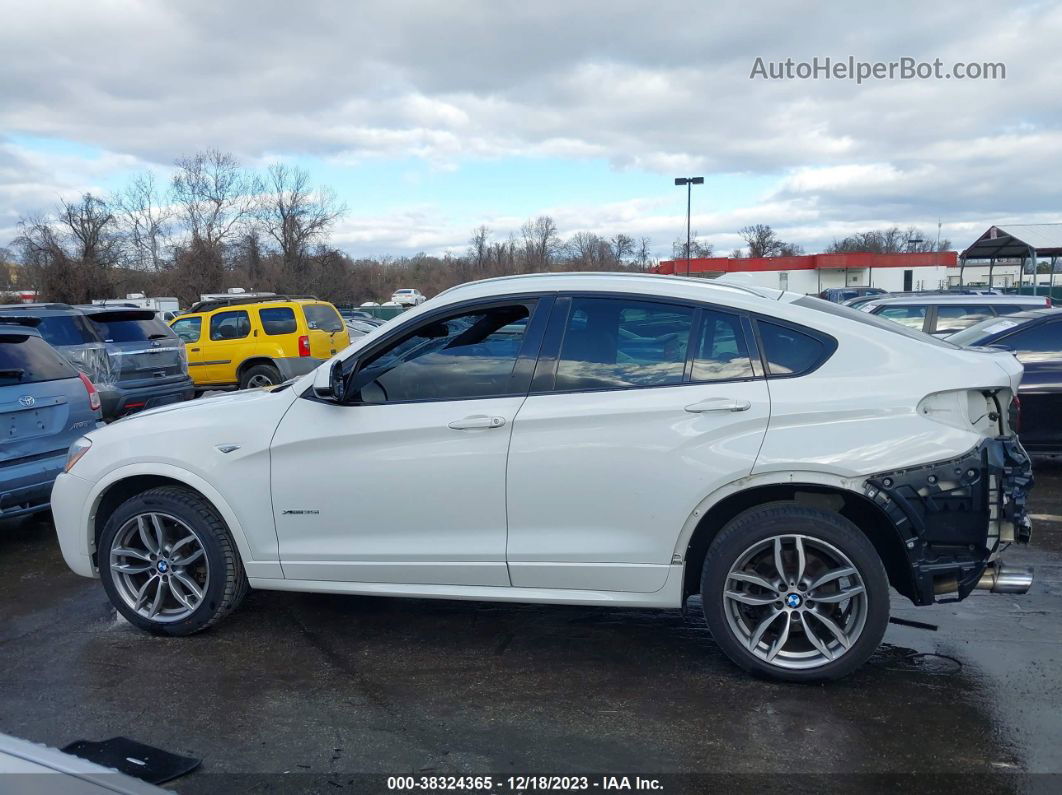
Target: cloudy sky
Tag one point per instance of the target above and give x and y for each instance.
(430, 118)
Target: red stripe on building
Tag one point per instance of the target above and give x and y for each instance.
(805, 262)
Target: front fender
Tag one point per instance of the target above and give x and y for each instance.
(257, 561)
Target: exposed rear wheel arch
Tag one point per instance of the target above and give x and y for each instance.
(856, 508)
(263, 366)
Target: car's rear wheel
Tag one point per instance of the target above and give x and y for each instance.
(259, 376)
(795, 593)
(168, 563)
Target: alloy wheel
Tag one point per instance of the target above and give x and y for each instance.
(795, 601)
(159, 567)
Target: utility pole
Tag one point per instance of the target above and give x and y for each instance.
(689, 182)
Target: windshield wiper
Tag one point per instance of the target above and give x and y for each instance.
(14, 373)
(157, 336)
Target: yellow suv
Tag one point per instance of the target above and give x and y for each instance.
(255, 342)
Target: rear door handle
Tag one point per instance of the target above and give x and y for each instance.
(477, 421)
(718, 404)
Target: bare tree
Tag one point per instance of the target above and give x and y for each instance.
(889, 241)
(216, 198)
(622, 247)
(296, 216)
(763, 241)
(479, 249)
(643, 258)
(696, 249)
(541, 242)
(144, 219)
(71, 256)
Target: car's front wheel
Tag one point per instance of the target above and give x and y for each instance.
(795, 593)
(168, 563)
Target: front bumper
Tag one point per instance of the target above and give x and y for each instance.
(71, 516)
(954, 516)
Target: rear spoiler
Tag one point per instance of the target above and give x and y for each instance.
(20, 320)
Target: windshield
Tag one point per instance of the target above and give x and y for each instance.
(27, 359)
(840, 310)
(322, 317)
(978, 331)
(66, 330)
(132, 330)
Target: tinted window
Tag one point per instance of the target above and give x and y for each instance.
(322, 317)
(721, 353)
(1010, 309)
(615, 343)
(187, 328)
(788, 351)
(955, 318)
(465, 356)
(27, 359)
(230, 326)
(914, 317)
(132, 330)
(66, 330)
(278, 320)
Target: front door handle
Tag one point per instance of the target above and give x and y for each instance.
(718, 404)
(477, 421)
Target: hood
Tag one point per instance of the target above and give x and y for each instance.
(221, 401)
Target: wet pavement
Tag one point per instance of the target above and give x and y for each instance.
(314, 692)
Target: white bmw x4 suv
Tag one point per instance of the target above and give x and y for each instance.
(595, 439)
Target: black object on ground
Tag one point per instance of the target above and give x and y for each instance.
(144, 762)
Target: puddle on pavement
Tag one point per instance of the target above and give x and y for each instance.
(899, 658)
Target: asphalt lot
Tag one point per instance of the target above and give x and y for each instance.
(308, 691)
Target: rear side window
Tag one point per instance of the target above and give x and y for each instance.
(67, 330)
(1013, 309)
(322, 317)
(278, 320)
(952, 318)
(132, 330)
(187, 328)
(791, 352)
(616, 343)
(914, 317)
(27, 359)
(721, 353)
(229, 326)
(1039, 343)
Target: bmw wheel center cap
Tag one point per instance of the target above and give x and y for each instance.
(793, 600)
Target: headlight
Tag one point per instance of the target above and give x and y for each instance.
(77, 449)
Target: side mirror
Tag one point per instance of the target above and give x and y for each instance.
(329, 382)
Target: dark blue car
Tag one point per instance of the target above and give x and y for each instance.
(1035, 337)
(45, 404)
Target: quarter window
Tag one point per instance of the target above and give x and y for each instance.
(278, 320)
(187, 328)
(1042, 343)
(471, 355)
(788, 351)
(322, 317)
(618, 343)
(721, 354)
(229, 326)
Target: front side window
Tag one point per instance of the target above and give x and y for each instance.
(230, 326)
(614, 343)
(278, 320)
(721, 353)
(914, 317)
(955, 318)
(187, 328)
(470, 355)
(788, 351)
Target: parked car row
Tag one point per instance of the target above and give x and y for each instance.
(941, 314)
(580, 439)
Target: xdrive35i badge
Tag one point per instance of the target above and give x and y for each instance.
(299, 512)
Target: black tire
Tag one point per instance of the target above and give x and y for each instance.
(786, 519)
(226, 583)
(260, 373)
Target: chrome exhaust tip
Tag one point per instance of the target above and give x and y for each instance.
(1001, 578)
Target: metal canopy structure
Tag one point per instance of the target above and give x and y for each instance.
(1016, 241)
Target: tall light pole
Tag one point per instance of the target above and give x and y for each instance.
(689, 182)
